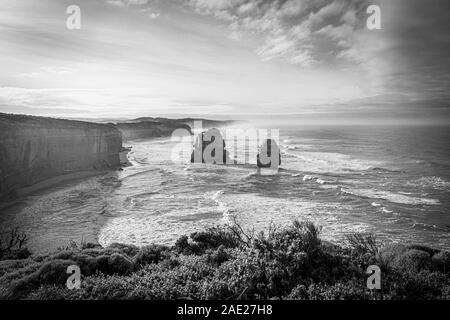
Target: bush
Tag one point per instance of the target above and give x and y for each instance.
(388, 255)
(228, 263)
(411, 286)
(405, 259)
(363, 243)
(101, 287)
(149, 254)
(12, 245)
(217, 257)
(14, 266)
(116, 263)
(413, 261)
(52, 292)
(339, 291)
(128, 249)
(21, 253)
(51, 272)
(212, 238)
(441, 262)
(428, 250)
(300, 292)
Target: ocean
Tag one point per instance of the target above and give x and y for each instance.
(393, 181)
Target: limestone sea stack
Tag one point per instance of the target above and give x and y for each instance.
(33, 149)
(269, 155)
(213, 140)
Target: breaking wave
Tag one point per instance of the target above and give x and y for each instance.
(389, 196)
(430, 182)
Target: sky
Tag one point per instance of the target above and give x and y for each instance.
(314, 59)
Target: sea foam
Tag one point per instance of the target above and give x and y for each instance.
(389, 196)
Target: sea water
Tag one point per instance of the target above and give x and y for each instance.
(387, 180)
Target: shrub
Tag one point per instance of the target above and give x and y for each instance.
(21, 253)
(428, 250)
(182, 245)
(116, 263)
(212, 238)
(149, 254)
(441, 261)
(52, 292)
(363, 243)
(387, 255)
(339, 291)
(51, 272)
(11, 245)
(411, 286)
(413, 261)
(218, 256)
(228, 263)
(300, 237)
(104, 287)
(404, 259)
(128, 249)
(300, 292)
(12, 266)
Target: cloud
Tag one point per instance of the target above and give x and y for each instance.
(148, 6)
(125, 3)
(107, 102)
(117, 3)
(213, 5)
(247, 8)
(292, 8)
(278, 54)
(295, 31)
(152, 13)
(49, 70)
(285, 47)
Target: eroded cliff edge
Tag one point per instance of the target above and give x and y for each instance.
(150, 129)
(33, 149)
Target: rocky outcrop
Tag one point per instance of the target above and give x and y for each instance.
(33, 149)
(150, 129)
(206, 123)
(213, 139)
(269, 155)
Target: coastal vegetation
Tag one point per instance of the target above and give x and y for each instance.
(228, 262)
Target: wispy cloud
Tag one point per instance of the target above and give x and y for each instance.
(125, 3)
(295, 30)
(59, 71)
(240, 56)
(107, 102)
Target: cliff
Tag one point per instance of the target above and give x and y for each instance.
(33, 149)
(206, 123)
(149, 129)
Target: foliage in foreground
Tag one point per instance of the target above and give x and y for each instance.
(228, 263)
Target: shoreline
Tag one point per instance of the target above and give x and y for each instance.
(47, 183)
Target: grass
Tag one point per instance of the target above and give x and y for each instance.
(225, 262)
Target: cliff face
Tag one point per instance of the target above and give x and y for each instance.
(149, 129)
(206, 123)
(33, 149)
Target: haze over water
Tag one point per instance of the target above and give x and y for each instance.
(392, 181)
